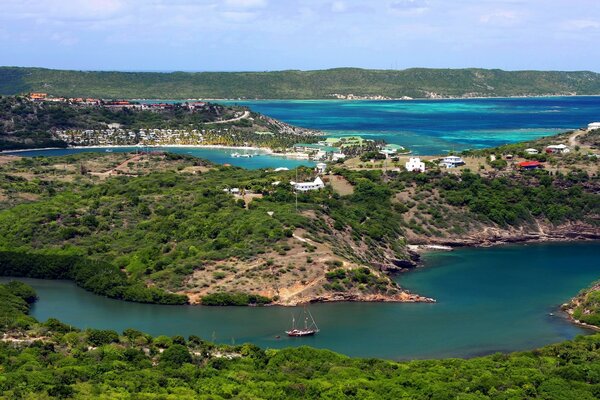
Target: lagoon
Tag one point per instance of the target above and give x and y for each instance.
(431, 127)
(489, 300)
(215, 155)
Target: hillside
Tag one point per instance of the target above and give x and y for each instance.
(320, 84)
(27, 124)
(53, 360)
(169, 223)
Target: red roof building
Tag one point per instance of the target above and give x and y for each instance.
(530, 165)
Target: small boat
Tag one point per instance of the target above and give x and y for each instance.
(236, 155)
(308, 330)
(108, 150)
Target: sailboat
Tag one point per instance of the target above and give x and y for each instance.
(308, 330)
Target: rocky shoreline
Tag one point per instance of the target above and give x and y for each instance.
(488, 237)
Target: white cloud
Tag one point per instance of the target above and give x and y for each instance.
(500, 17)
(410, 6)
(338, 6)
(246, 3)
(581, 24)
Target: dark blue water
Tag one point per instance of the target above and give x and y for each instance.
(216, 155)
(438, 126)
(489, 299)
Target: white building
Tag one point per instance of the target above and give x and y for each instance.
(415, 164)
(307, 186)
(593, 125)
(337, 156)
(321, 168)
(452, 161)
(531, 151)
(557, 148)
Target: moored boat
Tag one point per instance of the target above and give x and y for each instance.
(308, 330)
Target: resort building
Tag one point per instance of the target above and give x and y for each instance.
(452, 162)
(321, 168)
(414, 164)
(390, 150)
(337, 156)
(38, 96)
(531, 151)
(557, 149)
(308, 186)
(530, 165)
(593, 125)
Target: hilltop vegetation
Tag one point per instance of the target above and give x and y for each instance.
(55, 360)
(27, 124)
(175, 227)
(414, 82)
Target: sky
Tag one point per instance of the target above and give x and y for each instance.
(266, 35)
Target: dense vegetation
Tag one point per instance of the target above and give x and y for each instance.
(163, 228)
(55, 360)
(27, 124)
(96, 276)
(415, 82)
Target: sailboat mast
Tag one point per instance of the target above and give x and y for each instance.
(313, 321)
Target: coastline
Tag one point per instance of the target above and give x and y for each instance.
(390, 99)
(267, 151)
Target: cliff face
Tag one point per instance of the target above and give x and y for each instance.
(584, 309)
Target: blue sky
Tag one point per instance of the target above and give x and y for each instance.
(258, 35)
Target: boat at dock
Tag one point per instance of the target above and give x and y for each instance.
(240, 155)
(309, 329)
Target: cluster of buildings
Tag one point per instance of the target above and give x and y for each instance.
(39, 97)
(114, 135)
(336, 148)
(330, 148)
(119, 104)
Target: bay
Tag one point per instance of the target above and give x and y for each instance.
(488, 300)
(215, 155)
(431, 127)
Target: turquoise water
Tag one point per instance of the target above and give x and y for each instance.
(218, 156)
(437, 126)
(492, 299)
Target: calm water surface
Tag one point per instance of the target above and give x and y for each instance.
(438, 126)
(218, 156)
(493, 299)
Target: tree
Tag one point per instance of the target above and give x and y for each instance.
(175, 356)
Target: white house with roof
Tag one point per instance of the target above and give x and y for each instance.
(558, 149)
(317, 184)
(593, 125)
(415, 164)
(452, 161)
(321, 168)
(532, 151)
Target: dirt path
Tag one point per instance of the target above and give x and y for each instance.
(573, 138)
(114, 170)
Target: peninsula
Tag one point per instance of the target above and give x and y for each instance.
(159, 227)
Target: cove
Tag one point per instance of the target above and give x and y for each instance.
(489, 300)
(431, 127)
(215, 155)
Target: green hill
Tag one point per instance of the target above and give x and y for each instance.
(415, 82)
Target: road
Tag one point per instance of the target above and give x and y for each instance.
(246, 114)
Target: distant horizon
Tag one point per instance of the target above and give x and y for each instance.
(295, 69)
